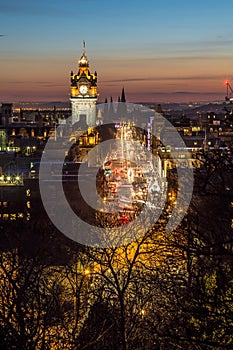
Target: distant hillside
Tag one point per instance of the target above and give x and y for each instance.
(43, 105)
(185, 108)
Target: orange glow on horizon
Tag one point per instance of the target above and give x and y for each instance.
(145, 79)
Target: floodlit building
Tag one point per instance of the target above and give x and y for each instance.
(83, 94)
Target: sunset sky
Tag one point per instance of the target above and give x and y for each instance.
(172, 50)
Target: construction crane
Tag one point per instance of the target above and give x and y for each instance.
(229, 95)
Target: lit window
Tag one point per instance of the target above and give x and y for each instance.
(12, 217)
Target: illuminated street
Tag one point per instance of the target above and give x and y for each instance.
(131, 178)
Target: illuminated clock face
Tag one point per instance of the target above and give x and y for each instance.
(83, 89)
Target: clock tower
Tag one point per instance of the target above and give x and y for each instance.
(83, 94)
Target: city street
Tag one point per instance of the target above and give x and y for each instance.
(130, 179)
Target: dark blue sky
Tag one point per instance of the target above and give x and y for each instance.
(157, 49)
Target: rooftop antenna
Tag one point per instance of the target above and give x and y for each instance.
(84, 46)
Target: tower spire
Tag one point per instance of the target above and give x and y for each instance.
(83, 62)
(123, 99)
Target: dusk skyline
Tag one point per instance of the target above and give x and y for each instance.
(163, 52)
